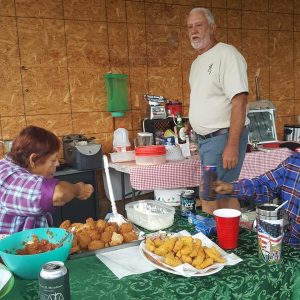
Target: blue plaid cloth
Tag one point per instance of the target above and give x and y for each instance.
(282, 182)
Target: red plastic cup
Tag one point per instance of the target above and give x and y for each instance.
(227, 221)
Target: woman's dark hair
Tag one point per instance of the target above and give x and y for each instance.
(36, 140)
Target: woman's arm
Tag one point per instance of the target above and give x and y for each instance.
(64, 192)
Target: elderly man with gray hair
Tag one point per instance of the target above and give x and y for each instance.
(218, 103)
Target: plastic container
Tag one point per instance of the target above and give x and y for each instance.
(174, 153)
(121, 141)
(29, 266)
(144, 139)
(150, 155)
(116, 90)
(150, 214)
(122, 156)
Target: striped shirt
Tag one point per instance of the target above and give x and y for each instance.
(25, 198)
(282, 182)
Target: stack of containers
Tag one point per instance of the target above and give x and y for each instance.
(150, 155)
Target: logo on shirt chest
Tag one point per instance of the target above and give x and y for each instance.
(210, 68)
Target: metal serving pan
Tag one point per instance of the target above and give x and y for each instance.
(141, 237)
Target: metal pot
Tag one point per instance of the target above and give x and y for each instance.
(291, 133)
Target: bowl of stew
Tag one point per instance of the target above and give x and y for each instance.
(24, 253)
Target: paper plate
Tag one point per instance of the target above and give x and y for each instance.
(8, 286)
(162, 267)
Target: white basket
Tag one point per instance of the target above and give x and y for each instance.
(174, 153)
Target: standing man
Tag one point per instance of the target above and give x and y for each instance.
(218, 101)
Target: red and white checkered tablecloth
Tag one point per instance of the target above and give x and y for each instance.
(187, 173)
(257, 163)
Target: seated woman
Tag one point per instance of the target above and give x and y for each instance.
(28, 191)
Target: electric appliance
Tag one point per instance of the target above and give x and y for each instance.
(157, 111)
(81, 153)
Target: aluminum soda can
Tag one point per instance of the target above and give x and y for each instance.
(209, 177)
(54, 281)
(187, 203)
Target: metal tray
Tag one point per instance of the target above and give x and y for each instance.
(139, 233)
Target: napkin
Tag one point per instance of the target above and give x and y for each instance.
(126, 261)
(5, 275)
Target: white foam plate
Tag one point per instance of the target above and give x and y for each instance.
(5, 276)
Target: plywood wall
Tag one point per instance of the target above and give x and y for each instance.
(54, 53)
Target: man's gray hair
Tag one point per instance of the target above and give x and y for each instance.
(209, 16)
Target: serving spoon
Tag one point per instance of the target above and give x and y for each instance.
(65, 237)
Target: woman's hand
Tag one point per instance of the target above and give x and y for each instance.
(85, 190)
(223, 187)
(64, 192)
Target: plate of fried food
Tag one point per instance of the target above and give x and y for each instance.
(186, 255)
(95, 236)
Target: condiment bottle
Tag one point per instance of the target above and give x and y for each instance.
(181, 134)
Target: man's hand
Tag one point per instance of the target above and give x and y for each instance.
(237, 122)
(230, 157)
(223, 187)
(85, 190)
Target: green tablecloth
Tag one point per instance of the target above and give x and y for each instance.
(251, 279)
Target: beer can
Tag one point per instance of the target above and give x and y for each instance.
(209, 177)
(187, 203)
(54, 281)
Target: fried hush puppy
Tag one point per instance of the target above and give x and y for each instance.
(65, 224)
(116, 239)
(111, 229)
(94, 235)
(100, 225)
(130, 236)
(106, 236)
(114, 225)
(125, 227)
(96, 245)
(78, 226)
(89, 224)
(83, 240)
(176, 251)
